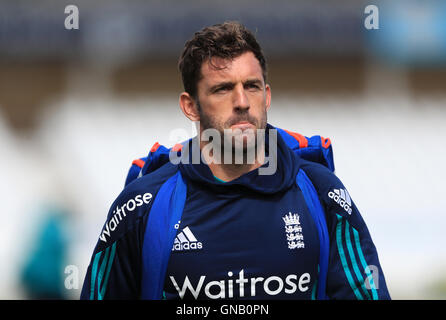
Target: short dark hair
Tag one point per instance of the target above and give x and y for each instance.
(227, 40)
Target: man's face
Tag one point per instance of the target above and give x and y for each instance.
(233, 95)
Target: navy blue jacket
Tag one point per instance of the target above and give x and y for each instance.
(250, 238)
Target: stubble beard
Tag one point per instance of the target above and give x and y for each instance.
(240, 143)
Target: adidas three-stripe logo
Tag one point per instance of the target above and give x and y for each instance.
(341, 197)
(185, 240)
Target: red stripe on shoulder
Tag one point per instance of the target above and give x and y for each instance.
(177, 147)
(140, 163)
(303, 142)
(155, 147)
(326, 142)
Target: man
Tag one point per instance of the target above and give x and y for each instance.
(211, 229)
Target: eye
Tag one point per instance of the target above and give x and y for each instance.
(222, 89)
(253, 86)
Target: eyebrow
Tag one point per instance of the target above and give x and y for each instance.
(221, 85)
(253, 81)
(231, 84)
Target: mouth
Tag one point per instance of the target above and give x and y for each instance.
(243, 125)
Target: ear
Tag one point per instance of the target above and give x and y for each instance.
(189, 107)
(268, 96)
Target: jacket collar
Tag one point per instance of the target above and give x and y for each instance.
(282, 179)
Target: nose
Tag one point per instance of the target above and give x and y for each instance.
(240, 99)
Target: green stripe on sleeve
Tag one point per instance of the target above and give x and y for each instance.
(94, 271)
(102, 270)
(364, 265)
(344, 260)
(353, 260)
(314, 289)
(101, 294)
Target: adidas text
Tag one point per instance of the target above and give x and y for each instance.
(341, 197)
(185, 240)
(187, 246)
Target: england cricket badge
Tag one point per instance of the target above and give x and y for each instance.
(293, 231)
